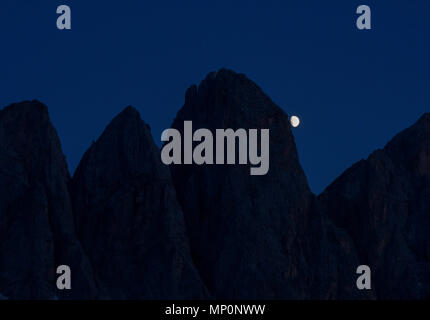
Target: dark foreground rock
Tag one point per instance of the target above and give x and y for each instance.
(37, 231)
(128, 218)
(384, 204)
(257, 237)
(130, 228)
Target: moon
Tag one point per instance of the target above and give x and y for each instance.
(295, 121)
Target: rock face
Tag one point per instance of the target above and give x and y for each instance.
(37, 231)
(130, 228)
(255, 236)
(128, 218)
(384, 204)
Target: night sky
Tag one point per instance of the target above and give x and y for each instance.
(353, 90)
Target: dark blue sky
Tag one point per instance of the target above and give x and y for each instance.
(352, 89)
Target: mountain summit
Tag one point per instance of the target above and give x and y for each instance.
(384, 204)
(252, 236)
(37, 231)
(131, 227)
(128, 219)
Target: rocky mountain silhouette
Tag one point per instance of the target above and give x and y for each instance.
(255, 236)
(384, 204)
(131, 227)
(128, 218)
(37, 231)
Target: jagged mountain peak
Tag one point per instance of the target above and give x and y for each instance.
(410, 149)
(383, 203)
(425, 118)
(128, 119)
(416, 134)
(232, 96)
(129, 113)
(28, 106)
(125, 207)
(125, 148)
(26, 130)
(27, 119)
(249, 234)
(36, 219)
(226, 99)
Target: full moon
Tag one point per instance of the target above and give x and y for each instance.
(295, 121)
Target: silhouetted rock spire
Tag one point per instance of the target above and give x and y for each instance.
(253, 236)
(384, 204)
(37, 231)
(130, 228)
(129, 221)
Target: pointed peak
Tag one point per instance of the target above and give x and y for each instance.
(125, 148)
(128, 122)
(425, 118)
(418, 132)
(129, 112)
(127, 118)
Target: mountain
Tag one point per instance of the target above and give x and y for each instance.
(384, 204)
(257, 237)
(128, 218)
(131, 227)
(37, 231)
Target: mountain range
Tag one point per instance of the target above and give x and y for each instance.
(131, 227)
